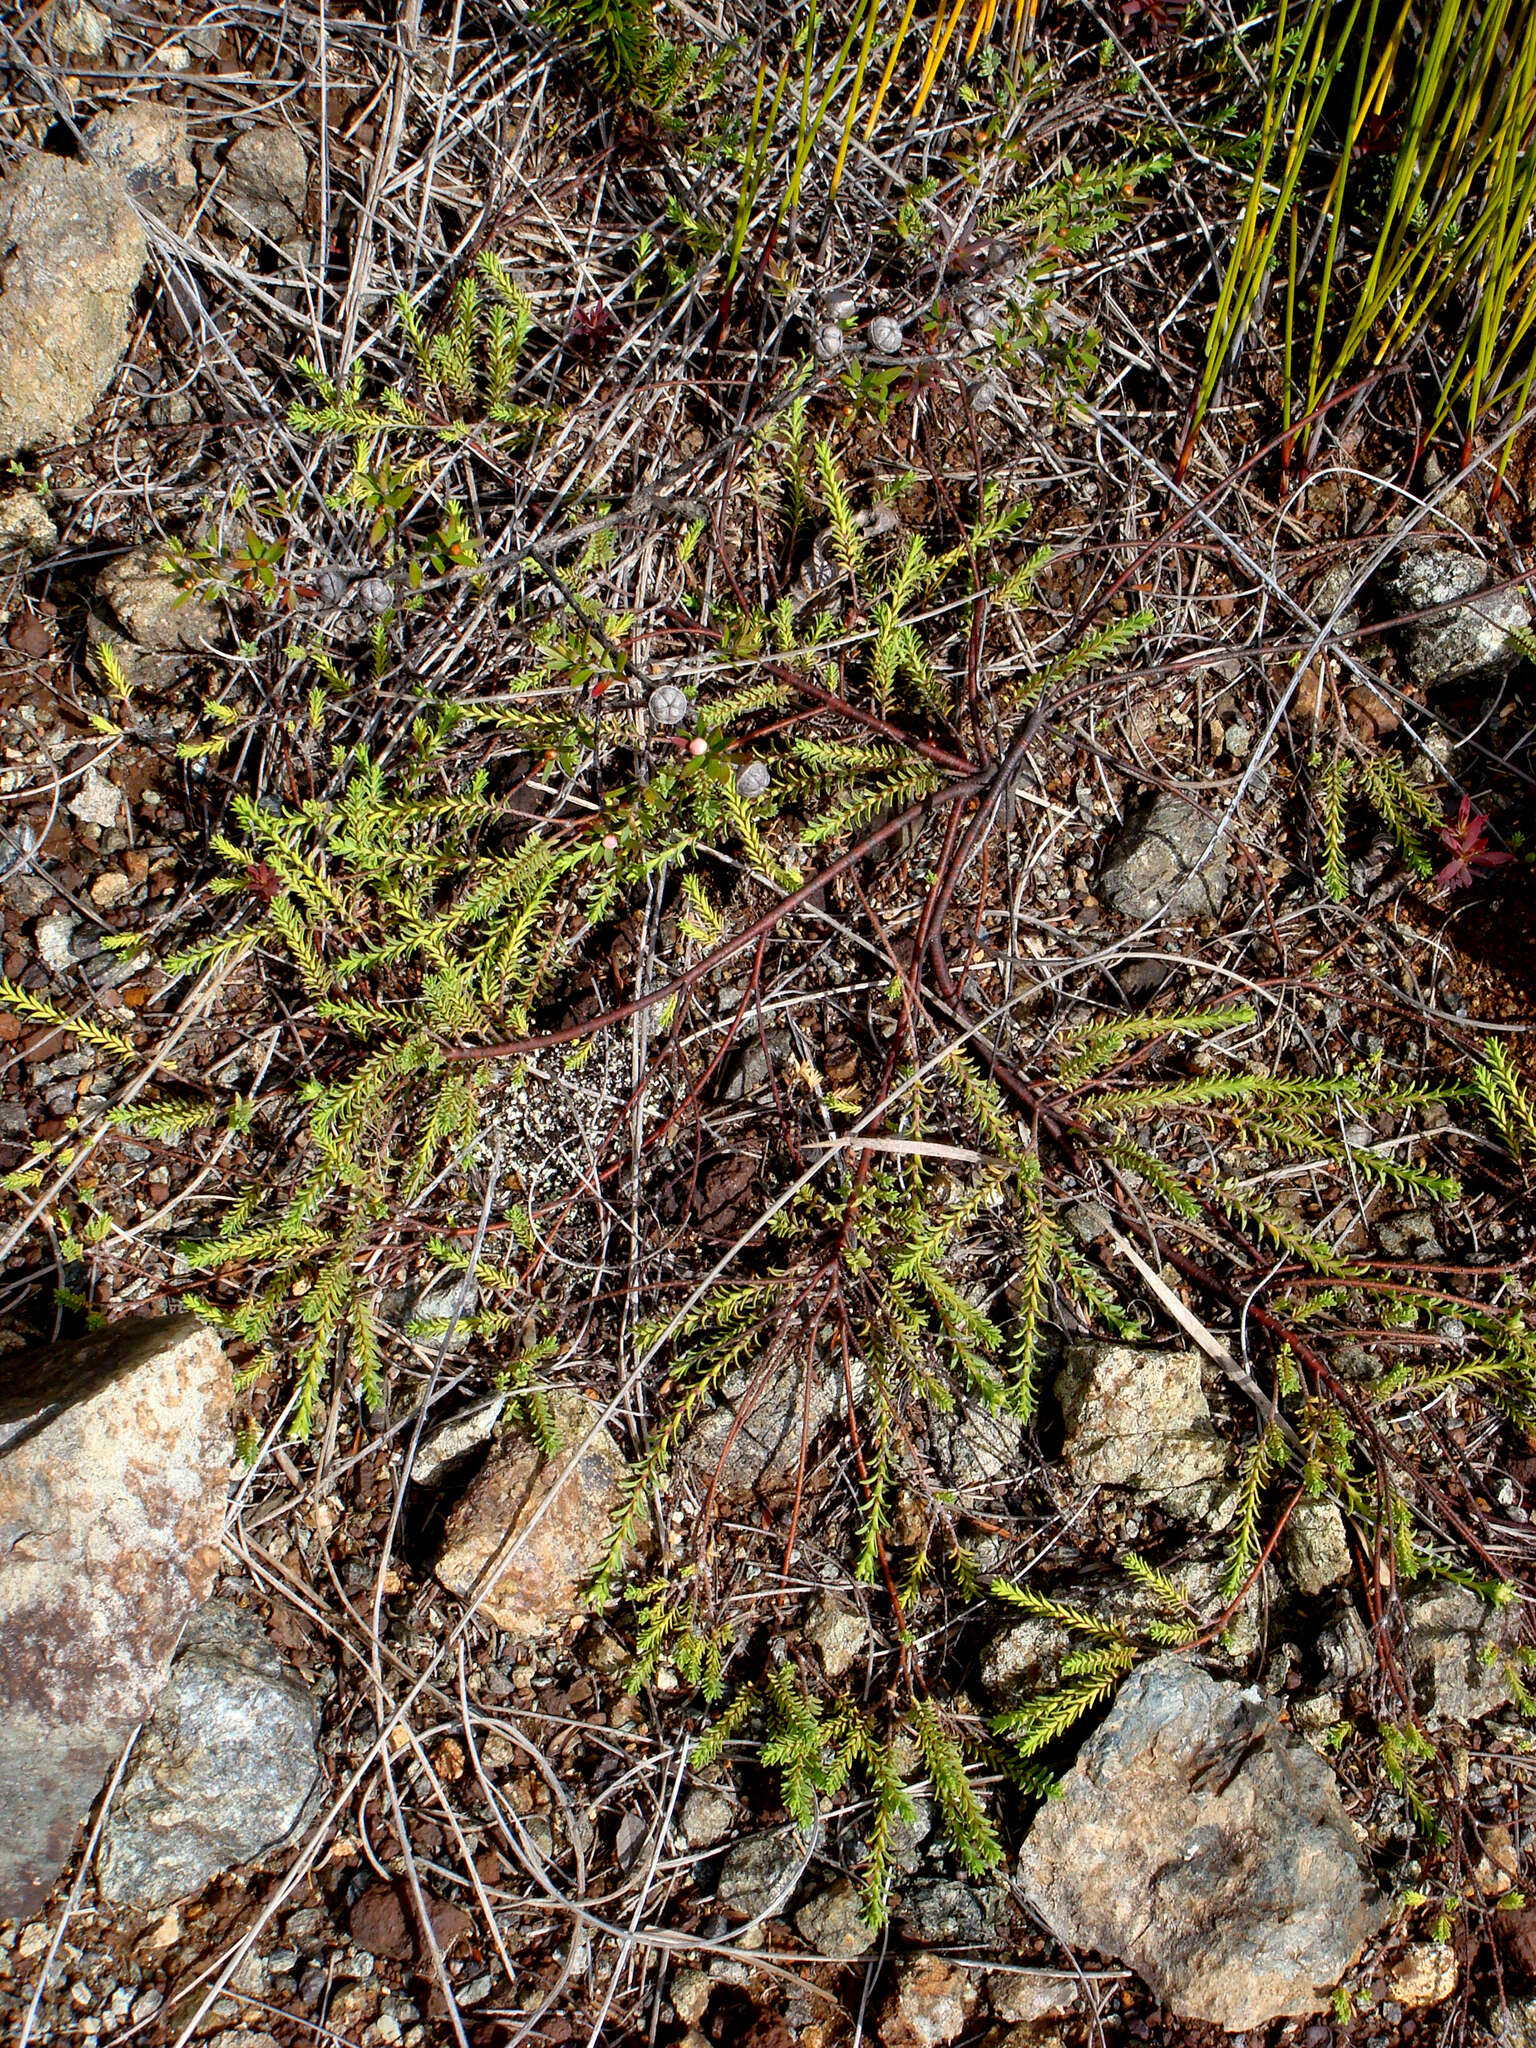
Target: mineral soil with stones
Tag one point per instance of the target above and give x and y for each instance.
(766, 1110)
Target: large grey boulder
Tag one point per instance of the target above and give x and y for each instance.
(1162, 863)
(114, 1463)
(1198, 1841)
(1470, 644)
(221, 1774)
(71, 250)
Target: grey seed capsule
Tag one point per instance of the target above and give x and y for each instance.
(375, 595)
(828, 344)
(330, 586)
(885, 334)
(668, 705)
(839, 304)
(753, 780)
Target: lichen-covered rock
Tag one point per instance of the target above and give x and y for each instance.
(114, 1461)
(1470, 644)
(76, 28)
(1139, 1418)
(1199, 1842)
(930, 2005)
(1162, 863)
(265, 184)
(1022, 1658)
(839, 1633)
(1457, 1649)
(71, 250)
(153, 608)
(221, 1773)
(25, 526)
(759, 1874)
(532, 1529)
(145, 144)
(832, 1922)
(752, 1441)
(1424, 1973)
(453, 1441)
(1315, 1547)
(708, 1816)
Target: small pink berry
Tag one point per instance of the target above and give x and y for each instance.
(697, 747)
(610, 842)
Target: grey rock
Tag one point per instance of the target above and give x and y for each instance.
(759, 1874)
(96, 801)
(1139, 1418)
(832, 1923)
(55, 941)
(1336, 585)
(764, 1054)
(25, 527)
(839, 1633)
(221, 1774)
(75, 28)
(425, 1312)
(153, 609)
(71, 250)
(1471, 644)
(1344, 1648)
(1159, 864)
(114, 1456)
(526, 1576)
(1023, 1658)
(1409, 1235)
(1456, 1648)
(1025, 1997)
(1089, 1221)
(443, 1448)
(1315, 1547)
(1197, 1841)
(170, 409)
(948, 1912)
(266, 184)
(145, 144)
(974, 1449)
(763, 1453)
(708, 1817)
